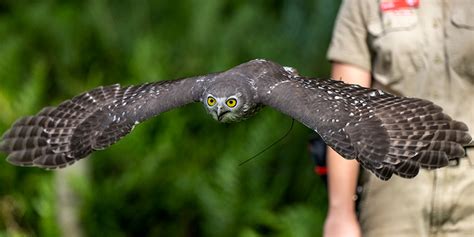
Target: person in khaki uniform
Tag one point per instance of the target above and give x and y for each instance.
(417, 48)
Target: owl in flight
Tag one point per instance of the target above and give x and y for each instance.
(387, 134)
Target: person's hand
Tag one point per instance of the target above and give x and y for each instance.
(340, 223)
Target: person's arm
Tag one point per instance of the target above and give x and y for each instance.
(341, 220)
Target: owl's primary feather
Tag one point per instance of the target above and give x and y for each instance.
(385, 133)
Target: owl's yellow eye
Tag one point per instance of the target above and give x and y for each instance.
(211, 101)
(231, 103)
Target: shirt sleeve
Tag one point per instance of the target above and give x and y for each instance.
(349, 40)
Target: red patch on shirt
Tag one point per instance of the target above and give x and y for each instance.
(396, 5)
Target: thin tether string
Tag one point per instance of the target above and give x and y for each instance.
(270, 146)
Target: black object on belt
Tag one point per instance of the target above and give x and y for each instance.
(454, 162)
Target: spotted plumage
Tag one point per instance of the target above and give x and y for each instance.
(385, 133)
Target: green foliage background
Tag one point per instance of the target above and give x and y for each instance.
(178, 174)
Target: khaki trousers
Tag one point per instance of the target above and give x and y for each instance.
(436, 203)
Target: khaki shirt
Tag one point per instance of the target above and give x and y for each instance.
(425, 51)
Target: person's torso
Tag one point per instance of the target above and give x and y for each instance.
(425, 49)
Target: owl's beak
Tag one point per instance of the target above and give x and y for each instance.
(219, 116)
(220, 113)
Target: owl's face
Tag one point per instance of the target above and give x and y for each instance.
(224, 108)
(228, 100)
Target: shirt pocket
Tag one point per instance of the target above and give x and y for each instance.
(396, 45)
(461, 41)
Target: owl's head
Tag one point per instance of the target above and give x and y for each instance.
(228, 101)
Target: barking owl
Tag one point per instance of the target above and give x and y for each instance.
(387, 134)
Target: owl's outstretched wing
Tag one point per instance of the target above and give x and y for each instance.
(58, 136)
(385, 133)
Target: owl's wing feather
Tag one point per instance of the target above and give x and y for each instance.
(387, 134)
(58, 136)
